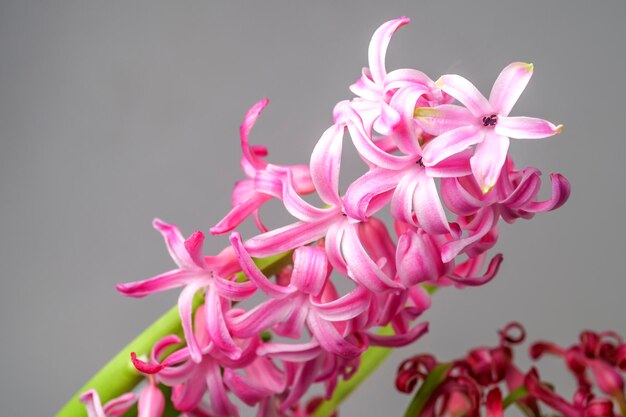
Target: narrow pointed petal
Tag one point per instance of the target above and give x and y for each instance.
(291, 352)
(405, 134)
(526, 128)
(253, 272)
(120, 405)
(441, 119)
(418, 259)
(428, 208)
(361, 267)
(399, 340)
(509, 86)
(365, 87)
(346, 307)
(287, 237)
(310, 270)
(488, 160)
(233, 290)
(475, 281)
(248, 393)
(457, 165)
(367, 148)
(458, 199)
(295, 205)
(405, 77)
(91, 399)
(151, 402)
(220, 403)
(465, 92)
(238, 214)
(330, 339)
(362, 191)
(216, 326)
(175, 244)
(486, 220)
(304, 378)
(402, 201)
(261, 318)
(248, 121)
(378, 47)
(325, 164)
(166, 281)
(185, 310)
(451, 143)
(560, 193)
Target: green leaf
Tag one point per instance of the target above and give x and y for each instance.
(514, 396)
(430, 384)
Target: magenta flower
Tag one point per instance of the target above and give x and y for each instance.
(196, 272)
(485, 123)
(114, 408)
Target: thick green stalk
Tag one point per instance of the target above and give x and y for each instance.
(372, 358)
(120, 376)
(430, 384)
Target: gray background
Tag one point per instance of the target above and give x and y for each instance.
(114, 112)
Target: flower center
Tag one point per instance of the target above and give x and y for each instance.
(420, 162)
(490, 120)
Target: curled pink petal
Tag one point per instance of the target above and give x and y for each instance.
(175, 244)
(378, 47)
(325, 163)
(346, 307)
(151, 402)
(91, 399)
(399, 340)
(488, 160)
(465, 92)
(450, 143)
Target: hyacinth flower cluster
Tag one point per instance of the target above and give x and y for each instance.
(487, 380)
(436, 159)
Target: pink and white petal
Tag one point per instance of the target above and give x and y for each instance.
(427, 206)
(509, 86)
(362, 191)
(418, 259)
(450, 143)
(166, 281)
(488, 160)
(465, 92)
(344, 308)
(310, 270)
(404, 101)
(287, 237)
(458, 199)
(248, 121)
(330, 339)
(402, 200)
(193, 245)
(294, 204)
(325, 164)
(247, 392)
(365, 87)
(525, 191)
(367, 148)
(526, 128)
(151, 402)
(475, 281)
(120, 405)
(457, 165)
(403, 77)
(303, 379)
(293, 324)
(239, 213)
(233, 290)
(486, 220)
(301, 177)
(216, 326)
(291, 352)
(387, 121)
(560, 193)
(378, 47)
(361, 267)
(221, 406)
(264, 372)
(332, 244)
(91, 399)
(399, 340)
(441, 119)
(261, 318)
(175, 244)
(185, 310)
(253, 272)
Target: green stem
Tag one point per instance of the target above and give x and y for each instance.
(372, 358)
(119, 375)
(514, 396)
(423, 394)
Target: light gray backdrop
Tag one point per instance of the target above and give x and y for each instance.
(114, 112)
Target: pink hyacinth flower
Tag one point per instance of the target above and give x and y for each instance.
(247, 197)
(196, 272)
(484, 123)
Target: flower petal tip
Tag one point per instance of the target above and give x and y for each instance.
(558, 129)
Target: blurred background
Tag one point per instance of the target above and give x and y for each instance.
(112, 113)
